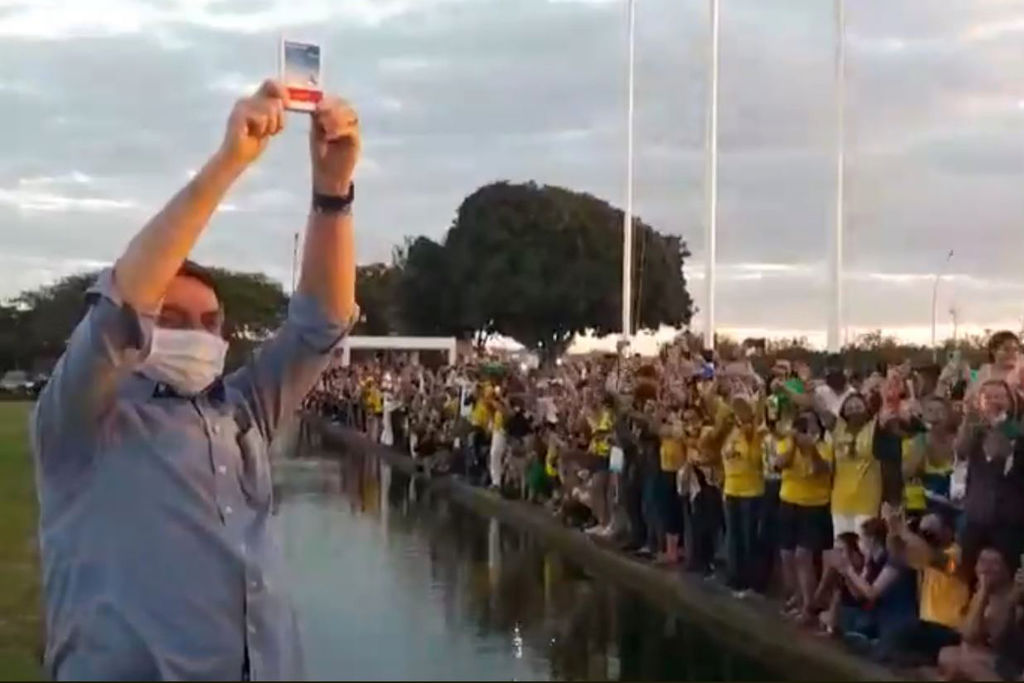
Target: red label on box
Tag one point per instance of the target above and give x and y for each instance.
(304, 95)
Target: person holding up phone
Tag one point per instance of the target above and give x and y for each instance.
(990, 444)
(152, 465)
(804, 518)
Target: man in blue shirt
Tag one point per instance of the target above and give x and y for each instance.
(159, 561)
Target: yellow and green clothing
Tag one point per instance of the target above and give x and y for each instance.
(857, 485)
(373, 400)
(551, 461)
(601, 430)
(778, 446)
(481, 416)
(913, 452)
(801, 485)
(672, 454)
(741, 460)
(944, 594)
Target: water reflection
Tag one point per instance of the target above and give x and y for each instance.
(391, 582)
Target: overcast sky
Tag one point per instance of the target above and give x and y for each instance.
(108, 105)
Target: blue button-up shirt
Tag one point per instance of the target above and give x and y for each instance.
(159, 561)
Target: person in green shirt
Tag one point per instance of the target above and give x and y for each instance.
(785, 384)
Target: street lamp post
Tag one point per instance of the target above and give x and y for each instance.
(935, 300)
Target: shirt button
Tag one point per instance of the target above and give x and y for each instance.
(221, 469)
(254, 584)
(216, 429)
(227, 510)
(252, 629)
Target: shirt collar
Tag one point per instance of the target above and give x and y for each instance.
(143, 387)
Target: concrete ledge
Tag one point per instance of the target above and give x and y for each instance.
(753, 627)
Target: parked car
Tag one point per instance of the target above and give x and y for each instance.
(15, 381)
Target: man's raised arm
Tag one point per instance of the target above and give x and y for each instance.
(324, 306)
(328, 260)
(155, 254)
(114, 334)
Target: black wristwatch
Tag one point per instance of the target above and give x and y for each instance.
(330, 203)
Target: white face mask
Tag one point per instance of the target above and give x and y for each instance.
(187, 360)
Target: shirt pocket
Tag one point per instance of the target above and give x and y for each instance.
(254, 475)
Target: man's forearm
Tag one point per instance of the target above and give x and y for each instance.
(329, 264)
(155, 254)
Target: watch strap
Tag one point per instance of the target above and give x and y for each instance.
(329, 203)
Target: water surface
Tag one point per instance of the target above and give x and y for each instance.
(391, 583)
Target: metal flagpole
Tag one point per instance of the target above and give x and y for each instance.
(835, 319)
(935, 301)
(295, 260)
(627, 218)
(711, 223)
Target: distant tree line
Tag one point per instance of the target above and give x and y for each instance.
(536, 263)
(539, 264)
(864, 354)
(35, 326)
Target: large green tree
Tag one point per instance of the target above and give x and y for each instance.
(427, 293)
(377, 293)
(254, 306)
(50, 313)
(541, 264)
(12, 332)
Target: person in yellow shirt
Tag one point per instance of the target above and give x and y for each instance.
(913, 465)
(600, 418)
(804, 518)
(744, 493)
(481, 419)
(499, 439)
(943, 594)
(857, 485)
(672, 457)
(373, 404)
(601, 422)
(481, 416)
(778, 440)
(937, 414)
(700, 485)
(928, 457)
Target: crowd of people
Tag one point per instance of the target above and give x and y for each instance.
(883, 506)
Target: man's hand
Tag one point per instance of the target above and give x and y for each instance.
(253, 121)
(334, 146)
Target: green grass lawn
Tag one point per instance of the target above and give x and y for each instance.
(20, 616)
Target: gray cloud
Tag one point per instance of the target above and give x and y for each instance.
(455, 93)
